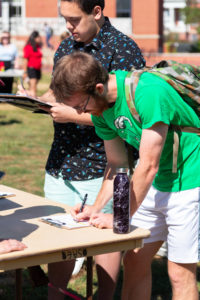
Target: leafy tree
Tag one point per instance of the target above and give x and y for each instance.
(192, 13)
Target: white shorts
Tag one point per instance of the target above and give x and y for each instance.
(172, 217)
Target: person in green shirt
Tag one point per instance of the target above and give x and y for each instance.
(165, 202)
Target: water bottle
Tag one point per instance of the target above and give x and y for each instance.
(121, 210)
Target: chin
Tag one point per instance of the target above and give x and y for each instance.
(96, 114)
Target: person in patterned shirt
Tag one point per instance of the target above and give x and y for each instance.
(77, 159)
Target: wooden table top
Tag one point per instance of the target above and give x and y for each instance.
(20, 219)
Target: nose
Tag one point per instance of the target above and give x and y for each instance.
(69, 26)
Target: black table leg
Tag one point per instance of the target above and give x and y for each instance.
(89, 278)
(18, 284)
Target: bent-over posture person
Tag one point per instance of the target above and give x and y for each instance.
(163, 201)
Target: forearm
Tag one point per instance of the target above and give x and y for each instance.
(151, 145)
(62, 113)
(106, 191)
(140, 183)
(73, 117)
(116, 157)
(48, 96)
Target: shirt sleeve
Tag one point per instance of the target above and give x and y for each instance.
(102, 130)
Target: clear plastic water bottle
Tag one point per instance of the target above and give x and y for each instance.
(121, 208)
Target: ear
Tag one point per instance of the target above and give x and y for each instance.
(97, 12)
(100, 88)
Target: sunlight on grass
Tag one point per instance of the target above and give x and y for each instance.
(25, 143)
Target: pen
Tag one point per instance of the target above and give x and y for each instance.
(22, 84)
(83, 203)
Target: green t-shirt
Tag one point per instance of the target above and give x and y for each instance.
(156, 101)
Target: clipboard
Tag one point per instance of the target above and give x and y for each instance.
(6, 195)
(25, 102)
(64, 221)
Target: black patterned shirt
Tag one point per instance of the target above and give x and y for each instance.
(77, 153)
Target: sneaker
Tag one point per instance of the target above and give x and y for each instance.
(78, 264)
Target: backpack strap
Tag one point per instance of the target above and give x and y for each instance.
(130, 87)
(175, 152)
(131, 82)
(176, 128)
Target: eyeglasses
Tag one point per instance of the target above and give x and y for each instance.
(83, 109)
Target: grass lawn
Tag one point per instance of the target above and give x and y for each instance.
(25, 142)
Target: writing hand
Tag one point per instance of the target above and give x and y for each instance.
(84, 215)
(21, 90)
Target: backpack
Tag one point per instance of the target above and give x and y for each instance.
(184, 78)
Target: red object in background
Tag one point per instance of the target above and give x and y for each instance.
(2, 66)
(34, 57)
(2, 83)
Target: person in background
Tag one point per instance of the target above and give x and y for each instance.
(77, 158)
(8, 60)
(33, 61)
(48, 34)
(11, 245)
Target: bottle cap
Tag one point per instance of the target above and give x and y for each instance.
(122, 170)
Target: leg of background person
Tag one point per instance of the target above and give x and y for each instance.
(183, 280)
(33, 86)
(59, 276)
(47, 41)
(137, 272)
(107, 266)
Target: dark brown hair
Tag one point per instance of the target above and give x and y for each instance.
(78, 72)
(88, 5)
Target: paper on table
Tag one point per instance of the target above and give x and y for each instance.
(64, 221)
(5, 195)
